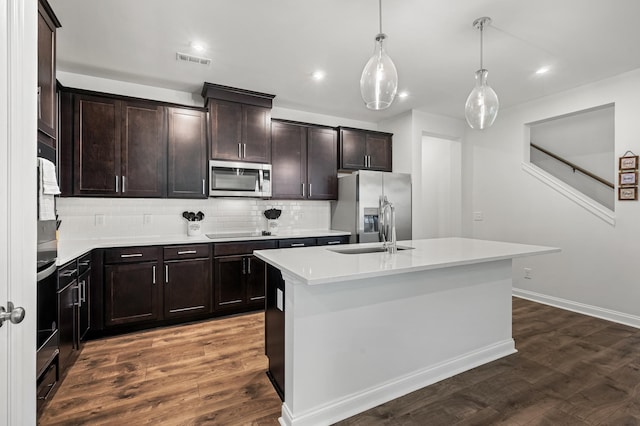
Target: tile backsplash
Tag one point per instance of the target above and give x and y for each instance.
(112, 217)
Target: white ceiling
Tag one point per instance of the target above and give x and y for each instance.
(273, 46)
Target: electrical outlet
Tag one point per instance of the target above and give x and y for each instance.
(99, 220)
(528, 273)
(147, 219)
(478, 216)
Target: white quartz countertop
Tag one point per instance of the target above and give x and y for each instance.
(321, 265)
(68, 250)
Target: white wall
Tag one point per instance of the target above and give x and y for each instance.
(596, 270)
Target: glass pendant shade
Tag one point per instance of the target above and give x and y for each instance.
(482, 104)
(379, 80)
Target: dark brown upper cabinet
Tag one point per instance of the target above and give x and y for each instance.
(118, 146)
(187, 159)
(365, 149)
(304, 159)
(47, 101)
(240, 123)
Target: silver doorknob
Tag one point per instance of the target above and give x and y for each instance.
(15, 315)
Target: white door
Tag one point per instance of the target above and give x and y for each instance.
(18, 100)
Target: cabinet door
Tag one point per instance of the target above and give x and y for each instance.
(322, 168)
(143, 150)
(96, 146)
(226, 130)
(256, 274)
(256, 134)
(352, 149)
(84, 288)
(66, 322)
(47, 116)
(229, 283)
(379, 150)
(131, 293)
(288, 146)
(187, 172)
(187, 287)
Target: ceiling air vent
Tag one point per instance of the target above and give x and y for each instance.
(193, 59)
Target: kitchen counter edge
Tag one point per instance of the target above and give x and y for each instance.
(69, 250)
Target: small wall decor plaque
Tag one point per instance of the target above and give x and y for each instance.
(628, 177)
(630, 193)
(628, 162)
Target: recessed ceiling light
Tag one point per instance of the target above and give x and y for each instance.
(198, 47)
(403, 95)
(318, 75)
(542, 70)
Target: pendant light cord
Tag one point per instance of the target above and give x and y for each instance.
(481, 36)
(380, 10)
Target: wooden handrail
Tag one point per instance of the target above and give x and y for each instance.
(573, 166)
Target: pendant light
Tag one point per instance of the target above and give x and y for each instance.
(482, 104)
(379, 80)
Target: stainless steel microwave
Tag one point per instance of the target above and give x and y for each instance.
(237, 179)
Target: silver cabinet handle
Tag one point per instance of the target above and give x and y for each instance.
(202, 186)
(333, 242)
(116, 183)
(79, 299)
(239, 150)
(244, 271)
(244, 150)
(303, 194)
(83, 291)
(297, 245)
(39, 102)
(188, 252)
(154, 274)
(310, 190)
(248, 265)
(166, 274)
(123, 190)
(125, 256)
(365, 161)
(68, 273)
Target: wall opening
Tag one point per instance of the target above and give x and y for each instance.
(578, 150)
(441, 188)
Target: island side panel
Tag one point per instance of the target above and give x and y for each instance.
(350, 346)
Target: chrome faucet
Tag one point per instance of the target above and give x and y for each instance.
(388, 226)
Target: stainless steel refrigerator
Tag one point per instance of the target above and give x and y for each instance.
(357, 208)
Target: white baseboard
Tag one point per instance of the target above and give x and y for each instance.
(581, 308)
(369, 398)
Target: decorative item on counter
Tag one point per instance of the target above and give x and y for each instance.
(193, 222)
(628, 177)
(272, 216)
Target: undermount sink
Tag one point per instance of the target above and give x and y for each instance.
(364, 250)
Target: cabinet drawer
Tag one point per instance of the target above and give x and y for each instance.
(84, 263)
(191, 251)
(131, 254)
(47, 383)
(67, 273)
(228, 249)
(297, 242)
(327, 241)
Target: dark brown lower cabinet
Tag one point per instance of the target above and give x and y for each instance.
(240, 282)
(187, 280)
(131, 293)
(132, 277)
(239, 277)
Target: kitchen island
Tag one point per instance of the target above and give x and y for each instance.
(362, 328)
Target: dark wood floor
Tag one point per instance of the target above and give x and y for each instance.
(570, 370)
